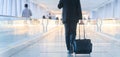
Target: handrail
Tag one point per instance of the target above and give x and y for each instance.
(10, 16)
(13, 17)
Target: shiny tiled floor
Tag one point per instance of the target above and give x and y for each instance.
(16, 34)
(53, 45)
(11, 36)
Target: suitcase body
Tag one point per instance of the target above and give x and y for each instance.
(82, 46)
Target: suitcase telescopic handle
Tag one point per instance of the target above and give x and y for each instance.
(83, 30)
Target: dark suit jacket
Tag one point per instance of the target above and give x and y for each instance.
(71, 10)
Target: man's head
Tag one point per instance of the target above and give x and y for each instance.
(26, 5)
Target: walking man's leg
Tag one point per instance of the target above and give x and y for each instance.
(67, 36)
(73, 28)
(70, 35)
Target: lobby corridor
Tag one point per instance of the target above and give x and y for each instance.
(53, 45)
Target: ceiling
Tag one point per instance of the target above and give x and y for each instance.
(87, 5)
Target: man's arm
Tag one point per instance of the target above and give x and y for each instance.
(60, 5)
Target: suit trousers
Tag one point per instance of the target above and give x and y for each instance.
(70, 33)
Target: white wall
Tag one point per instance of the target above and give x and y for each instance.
(110, 10)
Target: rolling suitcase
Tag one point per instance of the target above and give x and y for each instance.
(82, 46)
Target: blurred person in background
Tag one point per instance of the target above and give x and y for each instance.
(26, 13)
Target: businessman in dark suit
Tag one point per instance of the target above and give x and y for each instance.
(71, 14)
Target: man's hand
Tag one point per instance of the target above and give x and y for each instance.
(81, 22)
